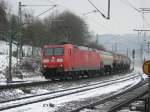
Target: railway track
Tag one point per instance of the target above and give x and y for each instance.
(23, 84)
(56, 94)
(37, 87)
(16, 85)
(129, 97)
(113, 103)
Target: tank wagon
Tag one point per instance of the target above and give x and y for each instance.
(67, 60)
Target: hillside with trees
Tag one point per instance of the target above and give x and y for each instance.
(54, 29)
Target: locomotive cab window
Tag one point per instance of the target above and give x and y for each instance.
(48, 51)
(58, 51)
(53, 51)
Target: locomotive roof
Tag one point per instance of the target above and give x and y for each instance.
(52, 46)
(75, 46)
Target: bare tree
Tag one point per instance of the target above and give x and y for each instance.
(3, 19)
(70, 28)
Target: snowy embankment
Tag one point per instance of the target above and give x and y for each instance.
(4, 59)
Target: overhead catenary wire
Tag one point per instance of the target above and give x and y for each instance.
(136, 9)
(46, 11)
(37, 5)
(113, 17)
(97, 9)
(132, 6)
(97, 24)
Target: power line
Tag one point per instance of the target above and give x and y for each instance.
(133, 6)
(37, 5)
(136, 9)
(129, 4)
(97, 24)
(94, 11)
(40, 6)
(146, 21)
(97, 9)
(46, 11)
(59, 5)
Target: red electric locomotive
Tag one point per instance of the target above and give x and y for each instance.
(61, 61)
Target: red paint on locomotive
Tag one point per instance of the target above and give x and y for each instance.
(68, 57)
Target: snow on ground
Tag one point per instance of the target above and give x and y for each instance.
(4, 95)
(54, 104)
(97, 92)
(4, 58)
(4, 61)
(139, 69)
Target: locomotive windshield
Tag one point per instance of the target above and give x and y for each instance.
(53, 51)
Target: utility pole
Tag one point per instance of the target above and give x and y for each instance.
(141, 49)
(19, 48)
(20, 32)
(143, 11)
(146, 10)
(108, 16)
(116, 47)
(133, 57)
(127, 52)
(148, 43)
(112, 47)
(96, 42)
(141, 53)
(9, 79)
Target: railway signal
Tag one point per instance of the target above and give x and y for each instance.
(146, 70)
(133, 56)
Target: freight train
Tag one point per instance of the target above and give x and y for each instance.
(67, 60)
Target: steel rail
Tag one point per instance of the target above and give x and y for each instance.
(79, 87)
(109, 98)
(61, 93)
(14, 85)
(23, 84)
(130, 100)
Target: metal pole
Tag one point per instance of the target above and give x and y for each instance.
(133, 63)
(108, 16)
(149, 95)
(148, 47)
(133, 57)
(116, 47)
(20, 32)
(149, 88)
(112, 47)
(141, 53)
(10, 59)
(127, 52)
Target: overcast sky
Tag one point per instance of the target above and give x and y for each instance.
(123, 18)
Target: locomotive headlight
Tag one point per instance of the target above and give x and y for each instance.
(61, 65)
(59, 60)
(44, 66)
(45, 60)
